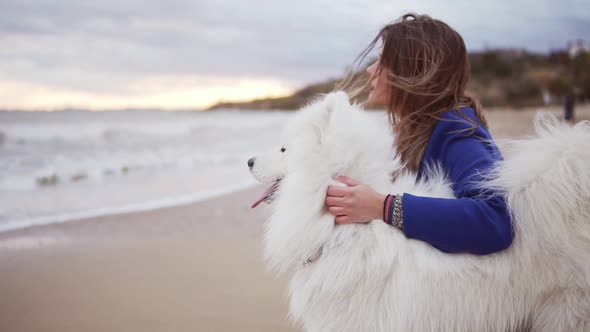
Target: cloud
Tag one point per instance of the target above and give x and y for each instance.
(172, 92)
(110, 47)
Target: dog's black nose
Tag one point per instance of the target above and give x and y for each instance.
(250, 162)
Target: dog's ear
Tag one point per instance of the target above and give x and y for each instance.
(334, 103)
(337, 100)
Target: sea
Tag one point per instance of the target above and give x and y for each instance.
(68, 165)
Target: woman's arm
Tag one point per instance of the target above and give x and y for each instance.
(471, 223)
(458, 225)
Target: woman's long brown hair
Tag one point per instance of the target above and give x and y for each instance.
(427, 69)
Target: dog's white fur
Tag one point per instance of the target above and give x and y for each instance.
(370, 277)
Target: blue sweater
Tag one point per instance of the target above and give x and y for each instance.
(470, 223)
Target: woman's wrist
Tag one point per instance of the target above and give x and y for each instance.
(393, 211)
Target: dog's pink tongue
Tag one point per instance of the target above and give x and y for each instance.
(263, 196)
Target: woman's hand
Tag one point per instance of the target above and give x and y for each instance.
(356, 203)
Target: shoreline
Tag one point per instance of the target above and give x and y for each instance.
(24, 223)
(222, 203)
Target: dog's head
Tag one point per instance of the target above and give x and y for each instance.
(325, 138)
(300, 143)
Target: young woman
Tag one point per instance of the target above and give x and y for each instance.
(420, 78)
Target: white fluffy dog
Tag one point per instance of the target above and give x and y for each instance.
(370, 277)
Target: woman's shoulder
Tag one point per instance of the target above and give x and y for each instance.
(461, 118)
(460, 135)
(463, 147)
(460, 123)
(458, 113)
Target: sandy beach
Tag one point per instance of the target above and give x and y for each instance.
(192, 268)
(196, 267)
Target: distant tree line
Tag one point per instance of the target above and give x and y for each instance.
(520, 78)
(510, 78)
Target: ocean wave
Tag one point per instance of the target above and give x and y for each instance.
(72, 171)
(72, 161)
(166, 128)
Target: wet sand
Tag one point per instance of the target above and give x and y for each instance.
(191, 268)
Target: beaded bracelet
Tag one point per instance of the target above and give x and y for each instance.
(398, 213)
(393, 211)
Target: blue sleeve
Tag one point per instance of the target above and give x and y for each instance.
(469, 223)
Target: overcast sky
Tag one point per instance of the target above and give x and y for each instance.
(189, 54)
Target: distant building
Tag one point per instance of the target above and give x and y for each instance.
(577, 46)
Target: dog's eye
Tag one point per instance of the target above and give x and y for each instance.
(282, 149)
